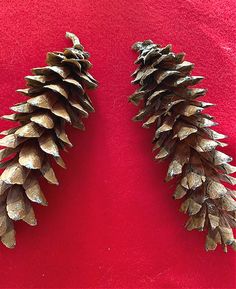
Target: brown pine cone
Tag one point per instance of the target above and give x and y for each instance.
(184, 135)
(56, 96)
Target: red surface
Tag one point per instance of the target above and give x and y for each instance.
(112, 221)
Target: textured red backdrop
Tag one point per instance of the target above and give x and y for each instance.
(112, 221)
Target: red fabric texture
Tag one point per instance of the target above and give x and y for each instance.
(112, 222)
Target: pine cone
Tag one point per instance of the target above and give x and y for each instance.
(184, 135)
(56, 96)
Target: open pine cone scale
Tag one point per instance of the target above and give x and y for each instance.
(184, 135)
(56, 96)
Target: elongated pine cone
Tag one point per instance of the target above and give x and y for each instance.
(184, 135)
(56, 96)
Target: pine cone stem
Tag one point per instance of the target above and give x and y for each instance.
(75, 40)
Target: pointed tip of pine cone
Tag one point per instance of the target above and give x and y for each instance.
(33, 223)
(140, 45)
(135, 118)
(75, 40)
(9, 240)
(130, 100)
(10, 246)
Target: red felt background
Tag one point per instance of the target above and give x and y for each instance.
(112, 221)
